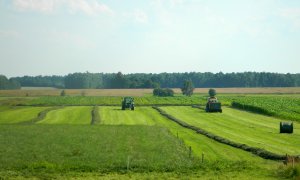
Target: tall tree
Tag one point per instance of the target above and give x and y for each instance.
(188, 88)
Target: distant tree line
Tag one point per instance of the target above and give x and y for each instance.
(162, 80)
(8, 83)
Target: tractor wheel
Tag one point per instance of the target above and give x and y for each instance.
(132, 108)
(123, 107)
(220, 111)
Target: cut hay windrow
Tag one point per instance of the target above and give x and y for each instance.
(95, 116)
(254, 150)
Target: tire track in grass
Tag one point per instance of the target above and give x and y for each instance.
(256, 151)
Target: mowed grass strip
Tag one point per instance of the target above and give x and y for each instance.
(85, 148)
(116, 116)
(11, 115)
(200, 144)
(69, 115)
(242, 127)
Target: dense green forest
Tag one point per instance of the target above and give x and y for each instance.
(8, 83)
(170, 80)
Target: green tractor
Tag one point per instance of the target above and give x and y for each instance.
(128, 102)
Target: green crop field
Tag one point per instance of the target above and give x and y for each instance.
(286, 107)
(9, 115)
(69, 115)
(66, 137)
(243, 127)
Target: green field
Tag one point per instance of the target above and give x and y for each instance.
(115, 116)
(10, 115)
(243, 127)
(139, 144)
(69, 115)
(200, 144)
(61, 148)
(286, 107)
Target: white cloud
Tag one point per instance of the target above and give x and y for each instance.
(89, 7)
(9, 34)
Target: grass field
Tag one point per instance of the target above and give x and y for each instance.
(61, 148)
(243, 127)
(143, 144)
(200, 144)
(69, 115)
(106, 148)
(10, 115)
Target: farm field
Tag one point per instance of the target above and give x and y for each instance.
(243, 127)
(111, 145)
(44, 91)
(9, 115)
(68, 115)
(139, 144)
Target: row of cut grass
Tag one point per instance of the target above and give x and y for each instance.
(242, 127)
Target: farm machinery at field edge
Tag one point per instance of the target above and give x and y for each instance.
(128, 102)
(213, 105)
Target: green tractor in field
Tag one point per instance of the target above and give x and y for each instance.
(213, 105)
(128, 102)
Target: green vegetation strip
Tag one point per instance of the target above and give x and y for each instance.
(41, 115)
(116, 116)
(113, 101)
(15, 114)
(96, 119)
(69, 115)
(286, 107)
(85, 148)
(257, 151)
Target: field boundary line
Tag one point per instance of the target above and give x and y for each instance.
(96, 119)
(41, 115)
(254, 150)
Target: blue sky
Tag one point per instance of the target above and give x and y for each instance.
(44, 37)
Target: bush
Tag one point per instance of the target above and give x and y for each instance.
(163, 92)
(63, 93)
